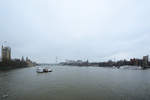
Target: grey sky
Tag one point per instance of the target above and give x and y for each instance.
(76, 29)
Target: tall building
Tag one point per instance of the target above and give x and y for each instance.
(6, 53)
(22, 59)
(145, 61)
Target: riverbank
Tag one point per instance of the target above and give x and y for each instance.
(112, 66)
(3, 68)
(15, 64)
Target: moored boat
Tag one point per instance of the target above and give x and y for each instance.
(42, 70)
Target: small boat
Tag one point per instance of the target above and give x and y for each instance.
(42, 70)
(39, 70)
(47, 70)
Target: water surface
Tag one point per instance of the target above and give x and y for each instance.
(75, 83)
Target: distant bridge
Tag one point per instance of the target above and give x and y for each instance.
(46, 64)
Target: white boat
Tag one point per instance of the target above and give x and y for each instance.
(39, 70)
(42, 70)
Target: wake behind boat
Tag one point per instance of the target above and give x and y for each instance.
(42, 70)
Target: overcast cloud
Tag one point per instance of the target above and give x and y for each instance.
(76, 29)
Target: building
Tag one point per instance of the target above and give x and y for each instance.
(145, 61)
(22, 59)
(6, 53)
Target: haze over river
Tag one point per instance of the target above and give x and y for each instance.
(75, 83)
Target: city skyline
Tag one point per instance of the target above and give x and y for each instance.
(6, 56)
(82, 29)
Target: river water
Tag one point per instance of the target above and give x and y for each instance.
(75, 83)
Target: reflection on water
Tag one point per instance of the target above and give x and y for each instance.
(75, 83)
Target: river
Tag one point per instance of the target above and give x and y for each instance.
(75, 83)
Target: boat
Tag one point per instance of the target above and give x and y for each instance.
(39, 70)
(42, 70)
(47, 70)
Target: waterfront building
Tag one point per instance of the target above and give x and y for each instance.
(70, 61)
(145, 61)
(79, 61)
(22, 59)
(6, 53)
